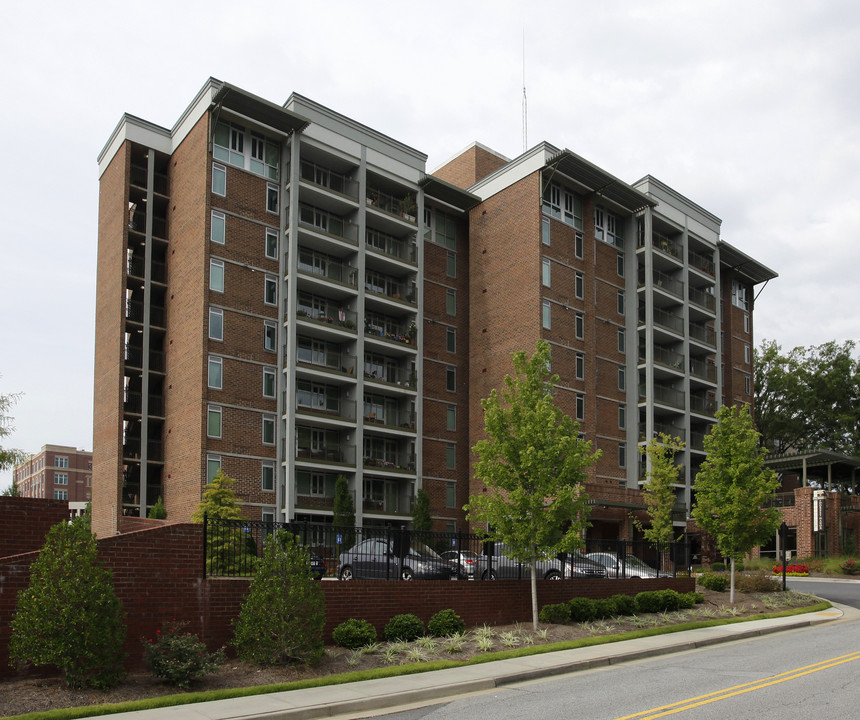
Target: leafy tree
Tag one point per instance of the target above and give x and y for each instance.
(809, 398)
(11, 491)
(8, 456)
(733, 487)
(69, 616)
(534, 466)
(224, 537)
(344, 510)
(422, 523)
(219, 500)
(658, 492)
(157, 511)
(282, 618)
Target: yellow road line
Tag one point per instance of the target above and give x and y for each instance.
(734, 690)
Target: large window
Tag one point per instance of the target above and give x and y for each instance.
(268, 382)
(451, 417)
(451, 301)
(579, 285)
(268, 480)
(546, 315)
(213, 421)
(61, 494)
(61, 478)
(213, 465)
(61, 462)
(268, 429)
(545, 272)
(219, 179)
(216, 324)
(739, 295)
(218, 228)
(270, 290)
(249, 150)
(451, 340)
(216, 275)
(271, 244)
(450, 456)
(270, 335)
(216, 379)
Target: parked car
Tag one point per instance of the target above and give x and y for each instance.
(376, 559)
(317, 566)
(503, 566)
(466, 560)
(628, 566)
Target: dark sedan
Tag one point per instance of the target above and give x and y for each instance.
(376, 559)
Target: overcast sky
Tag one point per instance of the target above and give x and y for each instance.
(750, 109)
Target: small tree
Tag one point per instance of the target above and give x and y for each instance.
(157, 511)
(422, 523)
(224, 539)
(344, 510)
(733, 487)
(8, 456)
(69, 616)
(658, 492)
(283, 616)
(534, 465)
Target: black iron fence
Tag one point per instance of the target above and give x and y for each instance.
(233, 547)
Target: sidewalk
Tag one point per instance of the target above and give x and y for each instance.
(370, 695)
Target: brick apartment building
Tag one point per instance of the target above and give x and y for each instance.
(56, 472)
(287, 295)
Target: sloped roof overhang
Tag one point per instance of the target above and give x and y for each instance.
(241, 102)
(743, 264)
(448, 193)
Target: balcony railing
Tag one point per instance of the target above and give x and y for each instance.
(316, 265)
(134, 313)
(703, 334)
(133, 403)
(329, 179)
(137, 268)
(781, 500)
(325, 406)
(665, 319)
(665, 428)
(704, 369)
(703, 405)
(392, 289)
(397, 462)
(701, 262)
(330, 360)
(403, 207)
(385, 244)
(665, 244)
(702, 299)
(137, 222)
(327, 453)
(669, 358)
(393, 332)
(391, 417)
(328, 223)
(664, 395)
(401, 377)
(335, 317)
(697, 440)
(668, 283)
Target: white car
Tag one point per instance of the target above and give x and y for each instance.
(629, 566)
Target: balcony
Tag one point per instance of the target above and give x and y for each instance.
(664, 395)
(665, 319)
(703, 334)
(390, 288)
(389, 330)
(703, 299)
(137, 268)
(700, 262)
(703, 405)
(134, 358)
(666, 245)
(327, 223)
(390, 375)
(667, 358)
(403, 207)
(704, 370)
(390, 246)
(330, 180)
(137, 223)
(318, 265)
(326, 315)
(335, 407)
(393, 462)
(394, 502)
(390, 417)
(336, 453)
(666, 429)
(133, 403)
(325, 359)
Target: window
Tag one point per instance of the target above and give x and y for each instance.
(270, 335)
(271, 244)
(619, 265)
(270, 290)
(272, 198)
(61, 494)
(213, 465)
(739, 295)
(580, 407)
(216, 324)
(260, 156)
(545, 231)
(317, 485)
(451, 266)
(746, 323)
(580, 366)
(579, 326)
(621, 340)
(579, 285)
(746, 354)
(213, 421)
(620, 302)
(451, 301)
(218, 228)
(450, 495)
(451, 379)
(451, 418)
(61, 478)
(216, 275)
(545, 272)
(622, 455)
(268, 481)
(215, 372)
(546, 317)
(622, 417)
(451, 340)
(268, 429)
(573, 209)
(552, 201)
(747, 384)
(450, 456)
(268, 382)
(578, 245)
(219, 179)
(622, 378)
(61, 462)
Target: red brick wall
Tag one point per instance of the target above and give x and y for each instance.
(470, 166)
(26, 521)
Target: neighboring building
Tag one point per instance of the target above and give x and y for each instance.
(56, 472)
(286, 295)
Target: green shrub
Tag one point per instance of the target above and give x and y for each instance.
(718, 567)
(282, 618)
(649, 601)
(69, 616)
(815, 564)
(670, 599)
(604, 608)
(739, 567)
(557, 614)
(354, 634)
(179, 657)
(406, 627)
(713, 582)
(445, 622)
(157, 511)
(756, 582)
(581, 609)
(624, 604)
(691, 599)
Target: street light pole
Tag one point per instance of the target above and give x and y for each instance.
(783, 532)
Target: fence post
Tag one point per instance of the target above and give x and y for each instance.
(205, 524)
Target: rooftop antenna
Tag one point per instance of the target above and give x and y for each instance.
(525, 100)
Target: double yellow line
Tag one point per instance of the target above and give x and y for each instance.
(729, 692)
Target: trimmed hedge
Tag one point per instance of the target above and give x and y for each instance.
(557, 614)
(713, 582)
(445, 622)
(406, 627)
(354, 634)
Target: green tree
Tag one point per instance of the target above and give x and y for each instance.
(344, 511)
(282, 618)
(8, 456)
(227, 548)
(69, 616)
(157, 511)
(534, 466)
(733, 487)
(422, 523)
(219, 500)
(658, 491)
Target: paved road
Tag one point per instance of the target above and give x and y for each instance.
(805, 674)
(846, 592)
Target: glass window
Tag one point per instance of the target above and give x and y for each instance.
(579, 326)
(269, 382)
(747, 354)
(622, 454)
(219, 179)
(268, 483)
(215, 372)
(213, 421)
(213, 465)
(272, 198)
(451, 379)
(622, 378)
(451, 301)
(216, 275)
(451, 340)
(621, 340)
(216, 324)
(746, 322)
(61, 478)
(573, 210)
(620, 302)
(580, 366)
(61, 494)
(268, 429)
(545, 272)
(270, 334)
(747, 384)
(578, 245)
(545, 231)
(61, 462)
(450, 456)
(619, 265)
(450, 495)
(270, 290)
(579, 285)
(546, 315)
(451, 267)
(218, 228)
(580, 407)
(271, 244)
(622, 416)
(451, 417)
